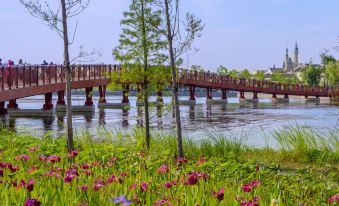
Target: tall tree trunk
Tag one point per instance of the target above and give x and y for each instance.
(174, 82)
(144, 38)
(70, 143)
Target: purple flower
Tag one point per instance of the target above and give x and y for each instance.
(72, 172)
(32, 202)
(23, 157)
(249, 186)
(83, 187)
(29, 185)
(121, 200)
(143, 186)
(220, 194)
(192, 179)
(68, 178)
(97, 186)
(53, 158)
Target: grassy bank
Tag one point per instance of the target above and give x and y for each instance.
(216, 171)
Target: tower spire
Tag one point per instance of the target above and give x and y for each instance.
(296, 56)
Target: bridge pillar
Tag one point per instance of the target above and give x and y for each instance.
(125, 92)
(102, 94)
(209, 94)
(242, 97)
(61, 98)
(286, 96)
(3, 110)
(48, 102)
(12, 104)
(89, 101)
(255, 95)
(192, 93)
(224, 94)
(159, 97)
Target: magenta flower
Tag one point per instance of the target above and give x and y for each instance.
(57, 169)
(181, 160)
(220, 194)
(12, 168)
(83, 187)
(72, 172)
(124, 174)
(29, 185)
(334, 198)
(143, 186)
(97, 186)
(68, 178)
(87, 172)
(3, 164)
(23, 157)
(163, 169)
(170, 184)
(42, 158)
(253, 202)
(133, 186)
(249, 186)
(1, 173)
(73, 153)
(162, 202)
(121, 200)
(33, 149)
(113, 178)
(53, 159)
(85, 166)
(51, 174)
(32, 202)
(201, 161)
(32, 169)
(192, 179)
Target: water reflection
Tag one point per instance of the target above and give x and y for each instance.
(125, 122)
(102, 117)
(48, 122)
(140, 117)
(192, 112)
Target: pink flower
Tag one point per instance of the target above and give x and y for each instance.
(97, 186)
(162, 202)
(334, 198)
(32, 202)
(87, 172)
(83, 187)
(29, 185)
(133, 186)
(32, 169)
(85, 166)
(124, 174)
(163, 169)
(3, 164)
(23, 157)
(73, 153)
(220, 194)
(72, 172)
(253, 202)
(51, 174)
(249, 186)
(170, 184)
(42, 158)
(201, 161)
(33, 149)
(114, 178)
(192, 179)
(12, 168)
(57, 169)
(181, 161)
(68, 178)
(53, 159)
(143, 186)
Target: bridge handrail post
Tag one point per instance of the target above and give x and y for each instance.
(2, 78)
(17, 76)
(49, 73)
(24, 76)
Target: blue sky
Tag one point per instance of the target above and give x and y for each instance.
(249, 34)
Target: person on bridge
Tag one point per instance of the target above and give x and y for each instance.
(44, 63)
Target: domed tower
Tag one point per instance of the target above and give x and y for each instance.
(296, 56)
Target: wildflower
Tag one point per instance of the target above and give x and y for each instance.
(192, 179)
(334, 198)
(85, 166)
(83, 187)
(170, 184)
(163, 169)
(181, 161)
(42, 158)
(32, 169)
(253, 202)
(51, 174)
(143, 186)
(95, 163)
(32, 202)
(57, 169)
(162, 202)
(249, 186)
(203, 175)
(33, 149)
(220, 194)
(1, 173)
(68, 178)
(201, 161)
(73, 153)
(133, 186)
(3, 164)
(114, 178)
(124, 174)
(29, 185)
(87, 172)
(121, 200)
(97, 186)
(72, 172)
(23, 157)
(53, 159)
(14, 183)
(12, 168)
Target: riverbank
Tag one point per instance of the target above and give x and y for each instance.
(216, 171)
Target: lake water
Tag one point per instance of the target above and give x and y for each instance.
(232, 119)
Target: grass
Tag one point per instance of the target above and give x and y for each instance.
(302, 171)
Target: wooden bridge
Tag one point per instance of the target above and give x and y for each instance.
(24, 81)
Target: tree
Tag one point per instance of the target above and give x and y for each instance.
(222, 70)
(311, 75)
(332, 73)
(59, 22)
(245, 74)
(276, 76)
(196, 67)
(260, 75)
(326, 58)
(178, 43)
(140, 46)
(233, 73)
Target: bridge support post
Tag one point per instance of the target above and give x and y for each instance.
(12, 104)
(160, 100)
(209, 97)
(224, 94)
(274, 98)
(48, 101)
(3, 110)
(242, 97)
(89, 101)
(102, 94)
(61, 98)
(125, 92)
(192, 93)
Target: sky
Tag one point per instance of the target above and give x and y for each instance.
(238, 34)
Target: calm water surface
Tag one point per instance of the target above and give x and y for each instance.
(197, 121)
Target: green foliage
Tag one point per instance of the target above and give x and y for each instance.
(332, 73)
(245, 74)
(260, 75)
(327, 58)
(222, 70)
(233, 73)
(311, 75)
(276, 76)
